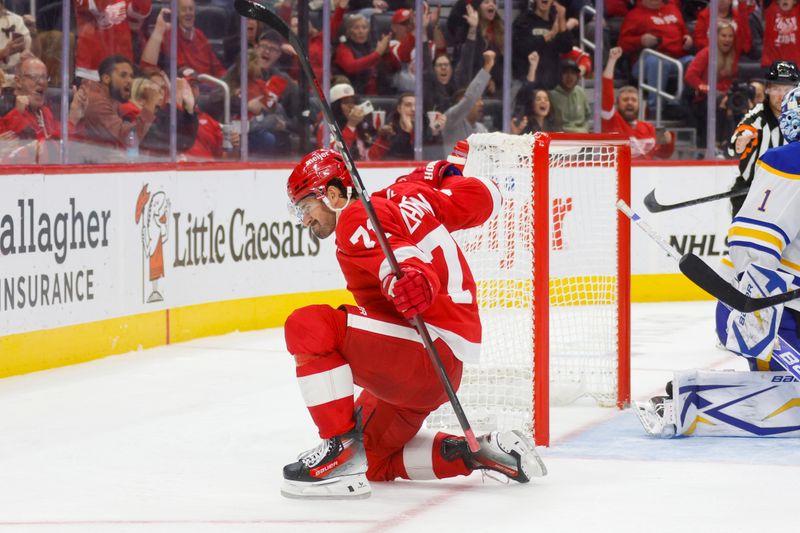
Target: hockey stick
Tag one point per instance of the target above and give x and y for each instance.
(691, 265)
(705, 277)
(250, 9)
(653, 206)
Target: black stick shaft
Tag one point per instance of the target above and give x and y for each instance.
(653, 206)
(257, 11)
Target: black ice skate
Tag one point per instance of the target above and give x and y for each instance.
(334, 469)
(510, 453)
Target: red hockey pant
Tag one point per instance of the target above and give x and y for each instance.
(387, 359)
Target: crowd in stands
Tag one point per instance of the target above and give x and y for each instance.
(120, 90)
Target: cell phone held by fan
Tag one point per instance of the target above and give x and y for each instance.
(366, 106)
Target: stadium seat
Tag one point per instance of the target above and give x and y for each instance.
(213, 21)
(380, 23)
(48, 15)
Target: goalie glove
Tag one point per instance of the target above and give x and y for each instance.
(753, 334)
(411, 294)
(431, 174)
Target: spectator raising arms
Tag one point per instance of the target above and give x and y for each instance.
(14, 39)
(358, 59)
(442, 83)
(535, 111)
(157, 141)
(781, 32)
(486, 25)
(624, 118)
(194, 50)
(540, 28)
(463, 118)
(102, 122)
(104, 29)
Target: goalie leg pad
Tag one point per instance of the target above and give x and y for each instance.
(753, 334)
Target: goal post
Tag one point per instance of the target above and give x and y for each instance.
(553, 278)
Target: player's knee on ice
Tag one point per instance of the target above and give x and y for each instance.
(314, 330)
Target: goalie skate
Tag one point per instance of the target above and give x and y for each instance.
(336, 469)
(657, 416)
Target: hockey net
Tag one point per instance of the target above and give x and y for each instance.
(554, 304)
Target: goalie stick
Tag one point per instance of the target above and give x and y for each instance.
(653, 206)
(256, 11)
(704, 277)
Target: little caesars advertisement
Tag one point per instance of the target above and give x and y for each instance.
(84, 247)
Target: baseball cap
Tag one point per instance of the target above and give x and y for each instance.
(569, 63)
(271, 36)
(401, 15)
(341, 90)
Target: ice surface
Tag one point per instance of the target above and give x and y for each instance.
(192, 438)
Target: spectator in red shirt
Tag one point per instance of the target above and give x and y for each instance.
(209, 143)
(624, 117)
(104, 29)
(359, 60)
(697, 79)
(315, 43)
(738, 17)
(781, 32)
(32, 120)
(659, 26)
(194, 49)
(142, 90)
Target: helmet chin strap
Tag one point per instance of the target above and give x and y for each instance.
(338, 210)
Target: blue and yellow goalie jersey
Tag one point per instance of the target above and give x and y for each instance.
(765, 231)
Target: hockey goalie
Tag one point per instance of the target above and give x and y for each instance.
(765, 253)
(377, 437)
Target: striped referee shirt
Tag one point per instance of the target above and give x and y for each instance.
(766, 134)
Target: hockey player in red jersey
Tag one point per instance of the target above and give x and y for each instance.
(377, 437)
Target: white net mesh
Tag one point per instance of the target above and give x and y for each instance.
(498, 392)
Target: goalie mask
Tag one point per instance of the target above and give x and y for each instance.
(313, 174)
(790, 115)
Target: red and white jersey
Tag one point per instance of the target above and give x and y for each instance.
(417, 220)
(104, 29)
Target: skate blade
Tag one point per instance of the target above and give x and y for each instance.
(651, 421)
(532, 465)
(353, 487)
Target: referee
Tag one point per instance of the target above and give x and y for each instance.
(758, 131)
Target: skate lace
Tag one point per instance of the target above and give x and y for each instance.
(313, 456)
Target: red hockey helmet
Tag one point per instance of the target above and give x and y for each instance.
(314, 172)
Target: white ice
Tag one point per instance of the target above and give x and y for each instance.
(192, 438)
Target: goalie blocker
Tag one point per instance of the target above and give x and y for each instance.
(707, 403)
